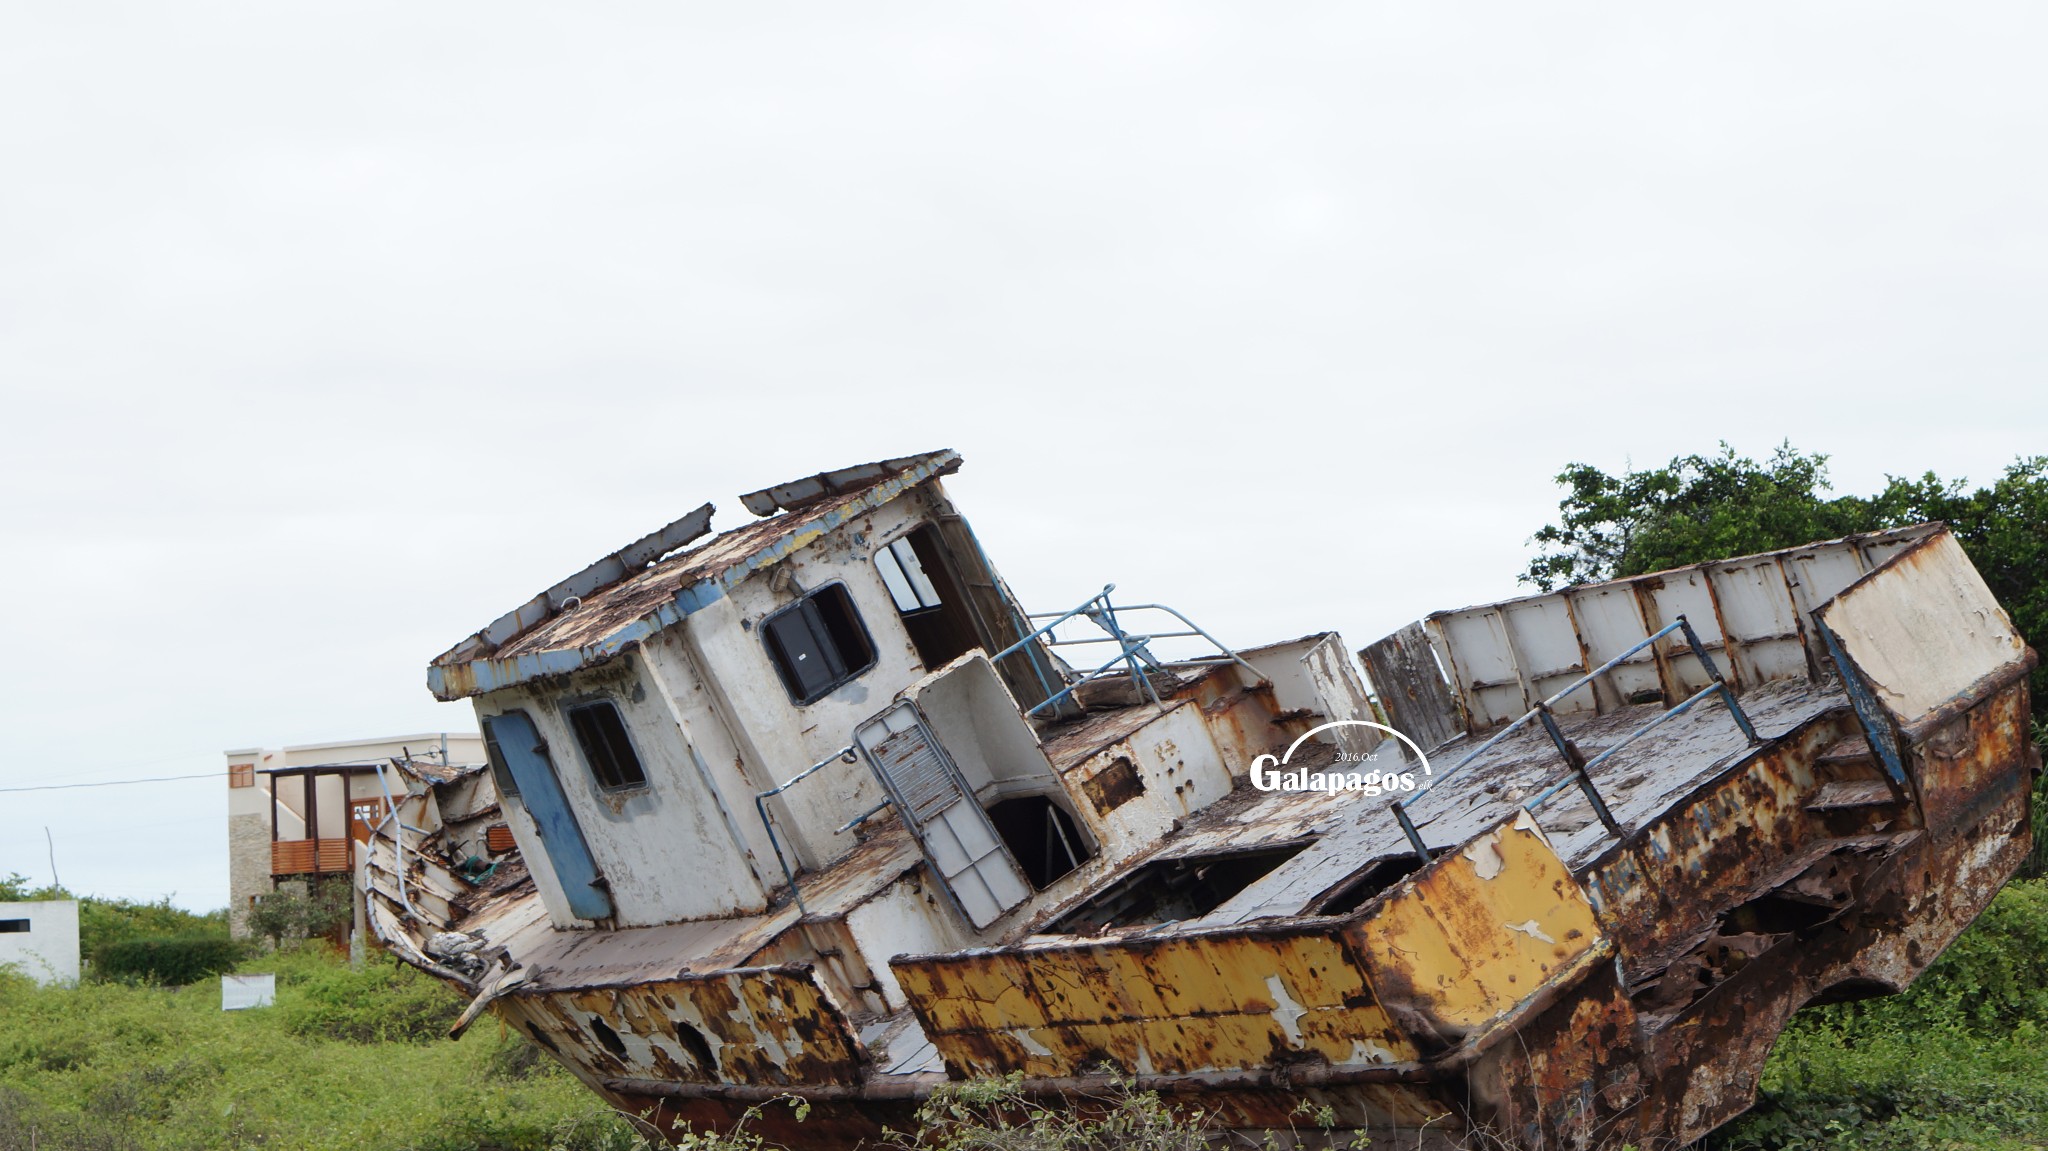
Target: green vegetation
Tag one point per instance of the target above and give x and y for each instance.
(172, 960)
(346, 1059)
(107, 925)
(303, 912)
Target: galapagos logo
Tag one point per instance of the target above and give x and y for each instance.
(1269, 772)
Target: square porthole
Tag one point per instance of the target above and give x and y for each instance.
(818, 643)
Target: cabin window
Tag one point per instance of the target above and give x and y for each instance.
(501, 773)
(241, 775)
(13, 926)
(601, 733)
(935, 616)
(818, 643)
(908, 585)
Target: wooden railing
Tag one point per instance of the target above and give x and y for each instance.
(308, 856)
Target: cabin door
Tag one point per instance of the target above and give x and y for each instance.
(928, 791)
(515, 745)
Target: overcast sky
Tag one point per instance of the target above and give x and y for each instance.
(330, 332)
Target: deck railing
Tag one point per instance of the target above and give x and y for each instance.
(1133, 656)
(1577, 767)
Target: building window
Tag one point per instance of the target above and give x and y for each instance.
(241, 775)
(601, 733)
(818, 643)
(13, 926)
(908, 585)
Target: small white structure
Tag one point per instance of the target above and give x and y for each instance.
(40, 939)
(240, 992)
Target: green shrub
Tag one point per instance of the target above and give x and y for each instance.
(291, 913)
(378, 1002)
(173, 961)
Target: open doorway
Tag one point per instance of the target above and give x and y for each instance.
(1041, 837)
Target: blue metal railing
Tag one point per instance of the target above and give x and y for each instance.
(1578, 767)
(1133, 648)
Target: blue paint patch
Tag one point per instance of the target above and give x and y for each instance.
(1877, 725)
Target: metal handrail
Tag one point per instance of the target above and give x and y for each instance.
(1580, 768)
(845, 754)
(397, 841)
(1131, 649)
(1058, 619)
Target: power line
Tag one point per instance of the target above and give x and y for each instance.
(113, 782)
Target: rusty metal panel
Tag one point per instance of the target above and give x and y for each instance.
(1484, 666)
(1475, 933)
(759, 1025)
(1411, 687)
(1710, 850)
(1152, 1005)
(1665, 597)
(1760, 620)
(1964, 766)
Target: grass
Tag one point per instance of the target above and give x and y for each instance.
(346, 1059)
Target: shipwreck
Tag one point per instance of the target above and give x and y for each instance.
(816, 806)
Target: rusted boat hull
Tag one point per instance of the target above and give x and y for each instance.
(1658, 816)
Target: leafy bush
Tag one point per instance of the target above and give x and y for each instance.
(292, 913)
(379, 1002)
(175, 961)
(104, 922)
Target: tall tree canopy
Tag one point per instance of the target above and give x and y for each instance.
(1699, 508)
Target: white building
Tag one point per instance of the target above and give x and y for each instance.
(40, 939)
(300, 812)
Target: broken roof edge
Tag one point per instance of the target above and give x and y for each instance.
(796, 495)
(465, 671)
(610, 570)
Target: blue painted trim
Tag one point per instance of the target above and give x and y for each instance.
(1877, 723)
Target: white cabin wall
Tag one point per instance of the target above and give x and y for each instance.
(786, 737)
(723, 763)
(664, 849)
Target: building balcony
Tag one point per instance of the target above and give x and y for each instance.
(290, 857)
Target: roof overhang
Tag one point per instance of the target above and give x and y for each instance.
(459, 674)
